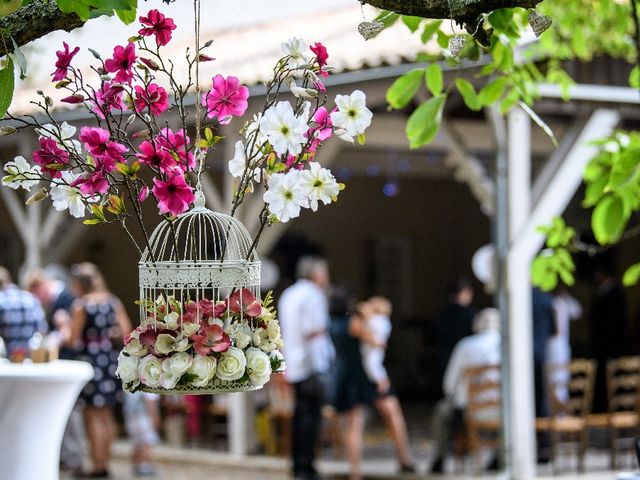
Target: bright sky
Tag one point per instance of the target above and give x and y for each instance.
(103, 33)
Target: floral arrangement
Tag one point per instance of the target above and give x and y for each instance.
(200, 344)
(134, 152)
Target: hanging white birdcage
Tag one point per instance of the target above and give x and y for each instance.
(203, 327)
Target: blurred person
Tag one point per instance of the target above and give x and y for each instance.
(454, 322)
(608, 328)
(194, 407)
(480, 348)
(377, 325)
(57, 299)
(98, 320)
(304, 318)
(142, 420)
(566, 309)
(21, 316)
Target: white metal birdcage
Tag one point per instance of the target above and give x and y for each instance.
(200, 255)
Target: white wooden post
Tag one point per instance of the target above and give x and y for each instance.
(241, 423)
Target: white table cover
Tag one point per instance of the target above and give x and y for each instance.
(35, 403)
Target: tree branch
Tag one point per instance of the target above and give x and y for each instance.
(462, 11)
(33, 21)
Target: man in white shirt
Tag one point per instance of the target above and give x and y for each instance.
(304, 318)
(481, 348)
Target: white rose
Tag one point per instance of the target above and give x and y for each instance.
(177, 364)
(204, 368)
(171, 320)
(258, 366)
(165, 343)
(243, 336)
(169, 380)
(231, 364)
(276, 355)
(189, 328)
(149, 370)
(134, 347)
(273, 330)
(128, 369)
(259, 336)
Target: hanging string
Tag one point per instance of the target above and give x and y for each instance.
(200, 157)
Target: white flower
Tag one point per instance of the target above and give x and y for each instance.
(262, 341)
(204, 368)
(242, 336)
(238, 163)
(283, 129)
(302, 92)
(273, 330)
(190, 328)
(285, 195)
(64, 132)
(276, 356)
(296, 50)
(231, 364)
(177, 364)
(167, 343)
(169, 380)
(134, 347)
(319, 185)
(149, 371)
(253, 128)
(258, 366)
(353, 115)
(21, 174)
(171, 320)
(127, 369)
(65, 196)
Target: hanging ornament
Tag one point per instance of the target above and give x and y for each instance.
(457, 44)
(539, 23)
(369, 30)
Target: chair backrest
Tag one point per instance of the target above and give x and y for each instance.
(570, 387)
(623, 384)
(482, 414)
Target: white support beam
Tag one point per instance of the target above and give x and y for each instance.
(592, 93)
(241, 423)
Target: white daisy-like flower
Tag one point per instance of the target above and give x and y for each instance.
(285, 195)
(66, 132)
(352, 115)
(296, 49)
(65, 196)
(253, 127)
(21, 174)
(319, 185)
(283, 129)
(239, 161)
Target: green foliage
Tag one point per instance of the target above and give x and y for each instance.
(632, 275)
(434, 79)
(424, 122)
(469, 94)
(404, 88)
(552, 266)
(7, 86)
(86, 9)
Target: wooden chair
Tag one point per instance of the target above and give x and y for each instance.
(623, 385)
(482, 414)
(570, 392)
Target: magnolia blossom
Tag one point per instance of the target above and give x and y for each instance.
(296, 49)
(258, 366)
(155, 23)
(64, 132)
(319, 185)
(226, 99)
(174, 196)
(283, 129)
(155, 156)
(231, 365)
(285, 195)
(152, 97)
(124, 58)
(352, 115)
(50, 157)
(64, 60)
(149, 371)
(127, 369)
(204, 369)
(238, 163)
(21, 174)
(65, 196)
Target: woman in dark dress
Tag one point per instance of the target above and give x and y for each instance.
(98, 319)
(353, 390)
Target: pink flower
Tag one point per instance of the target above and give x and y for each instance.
(107, 153)
(226, 99)
(321, 53)
(158, 25)
(63, 62)
(323, 118)
(75, 98)
(143, 194)
(173, 195)
(211, 338)
(318, 85)
(96, 183)
(243, 301)
(49, 155)
(107, 98)
(177, 142)
(153, 97)
(122, 63)
(156, 156)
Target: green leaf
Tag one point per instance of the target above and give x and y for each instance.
(631, 276)
(634, 77)
(387, 18)
(492, 91)
(78, 7)
(127, 16)
(6, 87)
(443, 39)
(412, 22)
(468, 94)
(608, 219)
(434, 79)
(424, 123)
(404, 88)
(509, 100)
(429, 30)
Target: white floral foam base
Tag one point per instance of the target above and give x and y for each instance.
(215, 386)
